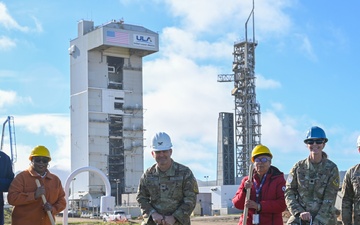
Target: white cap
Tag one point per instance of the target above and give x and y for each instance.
(161, 142)
(358, 141)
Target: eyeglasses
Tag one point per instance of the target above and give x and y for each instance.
(263, 160)
(311, 141)
(41, 159)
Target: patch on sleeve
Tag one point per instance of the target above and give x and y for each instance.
(289, 178)
(283, 188)
(336, 182)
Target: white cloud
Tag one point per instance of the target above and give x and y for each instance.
(306, 48)
(277, 106)
(50, 127)
(38, 26)
(178, 41)
(7, 21)
(9, 98)
(6, 43)
(203, 15)
(263, 83)
(215, 16)
(271, 20)
(280, 133)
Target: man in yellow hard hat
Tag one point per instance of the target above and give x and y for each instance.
(25, 195)
(267, 186)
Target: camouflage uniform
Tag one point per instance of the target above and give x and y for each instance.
(313, 188)
(172, 192)
(351, 196)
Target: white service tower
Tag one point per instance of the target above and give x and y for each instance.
(107, 104)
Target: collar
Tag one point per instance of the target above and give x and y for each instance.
(169, 172)
(33, 173)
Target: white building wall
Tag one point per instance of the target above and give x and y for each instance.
(221, 196)
(79, 110)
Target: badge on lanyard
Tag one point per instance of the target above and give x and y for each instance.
(255, 219)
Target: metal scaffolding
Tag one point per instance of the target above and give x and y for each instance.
(247, 110)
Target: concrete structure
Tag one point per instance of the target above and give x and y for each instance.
(107, 104)
(225, 151)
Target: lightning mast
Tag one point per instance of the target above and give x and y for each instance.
(10, 121)
(247, 110)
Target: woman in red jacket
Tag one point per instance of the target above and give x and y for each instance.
(267, 201)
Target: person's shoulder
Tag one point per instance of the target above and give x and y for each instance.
(23, 173)
(150, 169)
(276, 171)
(180, 166)
(3, 155)
(330, 163)
(354, 169)
(301, 162)
(52, 175)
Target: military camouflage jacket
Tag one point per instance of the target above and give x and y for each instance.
(351, 196)
(169, 193)
(312, 188)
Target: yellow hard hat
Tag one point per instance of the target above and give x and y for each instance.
(40, 151)
(260, 150)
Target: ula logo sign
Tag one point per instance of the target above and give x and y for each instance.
(143, 38)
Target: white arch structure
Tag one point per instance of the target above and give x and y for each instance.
(71, 177)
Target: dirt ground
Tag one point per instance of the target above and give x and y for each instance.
(227, 220)
(200, 220)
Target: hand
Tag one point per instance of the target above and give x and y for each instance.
(248, 184)
(157, 218)
(39, 191)
(47, 207)
(251, 204)
(306, 216)
(169, 220)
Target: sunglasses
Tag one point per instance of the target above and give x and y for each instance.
(318, 141)
(41, 159)
(263, 160)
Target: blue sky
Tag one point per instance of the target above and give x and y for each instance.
(306, 69)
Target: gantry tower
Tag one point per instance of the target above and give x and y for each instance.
(247, 110)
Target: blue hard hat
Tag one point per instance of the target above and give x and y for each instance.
(315, 132)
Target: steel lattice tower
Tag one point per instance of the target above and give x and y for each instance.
(247, 110)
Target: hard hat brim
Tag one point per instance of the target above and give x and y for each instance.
(161, 149)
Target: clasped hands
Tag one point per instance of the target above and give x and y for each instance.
(163, 220)
(306, 216)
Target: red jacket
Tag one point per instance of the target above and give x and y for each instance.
(272, 198)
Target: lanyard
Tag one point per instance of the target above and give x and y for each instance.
(258, 189)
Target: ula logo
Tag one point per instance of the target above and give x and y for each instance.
(142, 38)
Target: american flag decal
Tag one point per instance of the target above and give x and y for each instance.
(117, 37)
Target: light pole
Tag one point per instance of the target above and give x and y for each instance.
(206, 177)
(117, 191)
